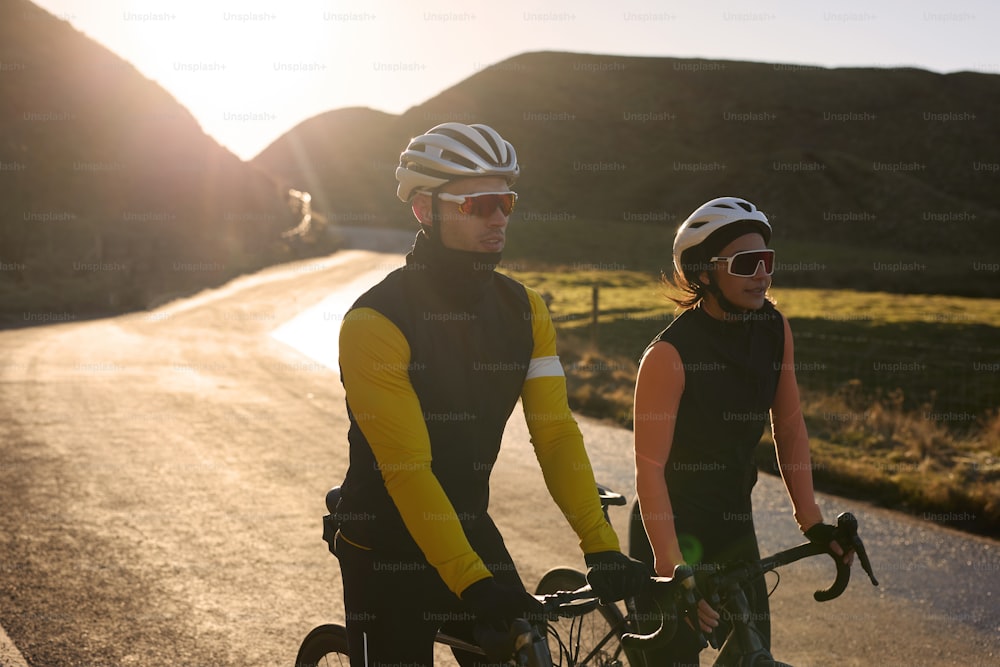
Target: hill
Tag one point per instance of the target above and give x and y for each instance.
(886, 173)
(113, 196)
(346, 159)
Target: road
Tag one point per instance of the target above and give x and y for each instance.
(162, 477)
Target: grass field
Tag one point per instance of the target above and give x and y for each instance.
(899, 391)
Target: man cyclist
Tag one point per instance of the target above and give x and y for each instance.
(433, 360)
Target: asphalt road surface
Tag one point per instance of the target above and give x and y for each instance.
(162, 479)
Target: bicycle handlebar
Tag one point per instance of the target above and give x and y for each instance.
(522, 638)
(569, 604)
(846, 535)
(680, 592)
(664, 592)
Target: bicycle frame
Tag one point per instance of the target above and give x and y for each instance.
(744, 644)
(530, 646)
(599, 646)
(454, 642)
(572, 643)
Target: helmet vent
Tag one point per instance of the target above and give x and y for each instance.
(497, 152)
(453, 157)
(471, 145)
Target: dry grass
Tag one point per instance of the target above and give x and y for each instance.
(874, 449)
(598, 385)
(881, 450)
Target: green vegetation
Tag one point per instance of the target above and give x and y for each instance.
(644, 247)
(899, 391)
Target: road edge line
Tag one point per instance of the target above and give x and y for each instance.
(9, 655)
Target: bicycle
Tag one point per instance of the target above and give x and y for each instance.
(676, 600)
(588, 634)
(327, 644)
(563, 608)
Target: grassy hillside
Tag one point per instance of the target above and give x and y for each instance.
(113, 196)
(870, 266)
(887, 169)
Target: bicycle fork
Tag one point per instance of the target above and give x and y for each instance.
(744, 644)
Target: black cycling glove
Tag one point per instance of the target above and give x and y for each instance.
(497, 603)
(822, 534)
(614, 576)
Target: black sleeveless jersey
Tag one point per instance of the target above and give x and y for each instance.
(731, 371)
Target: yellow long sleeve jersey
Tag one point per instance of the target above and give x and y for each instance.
(432, 372)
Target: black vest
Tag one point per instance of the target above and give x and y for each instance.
(731, 372)
(470, 336)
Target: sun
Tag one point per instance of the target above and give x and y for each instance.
(246, 74)
(250, 71)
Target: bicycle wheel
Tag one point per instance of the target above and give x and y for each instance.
(324, 646)
(593, 639)
(770, 663)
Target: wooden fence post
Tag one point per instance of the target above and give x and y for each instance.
(595, 311)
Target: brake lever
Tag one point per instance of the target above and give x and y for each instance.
(685, 575)
(866, 564)
(853, 540)
(846, 535)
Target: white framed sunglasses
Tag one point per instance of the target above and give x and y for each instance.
(744, 264)
(482, 204)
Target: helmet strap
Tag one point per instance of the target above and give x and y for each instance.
(720, 298)
(433, 230)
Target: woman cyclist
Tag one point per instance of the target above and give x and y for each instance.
(706, 388)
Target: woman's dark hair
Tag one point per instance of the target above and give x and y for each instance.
(688, 292)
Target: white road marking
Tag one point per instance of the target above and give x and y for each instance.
(268, 275)
(9, 655)
(314, 331)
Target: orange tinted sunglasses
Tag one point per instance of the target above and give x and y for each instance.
(482, 204)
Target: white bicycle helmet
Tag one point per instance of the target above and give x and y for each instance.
(454, 150)
(712, 216)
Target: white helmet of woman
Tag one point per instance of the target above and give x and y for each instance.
(712, 216)
(454, 150)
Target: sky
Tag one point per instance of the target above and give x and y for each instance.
(250, 70)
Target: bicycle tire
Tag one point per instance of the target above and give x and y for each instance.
(581, 635)
(324, 646)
